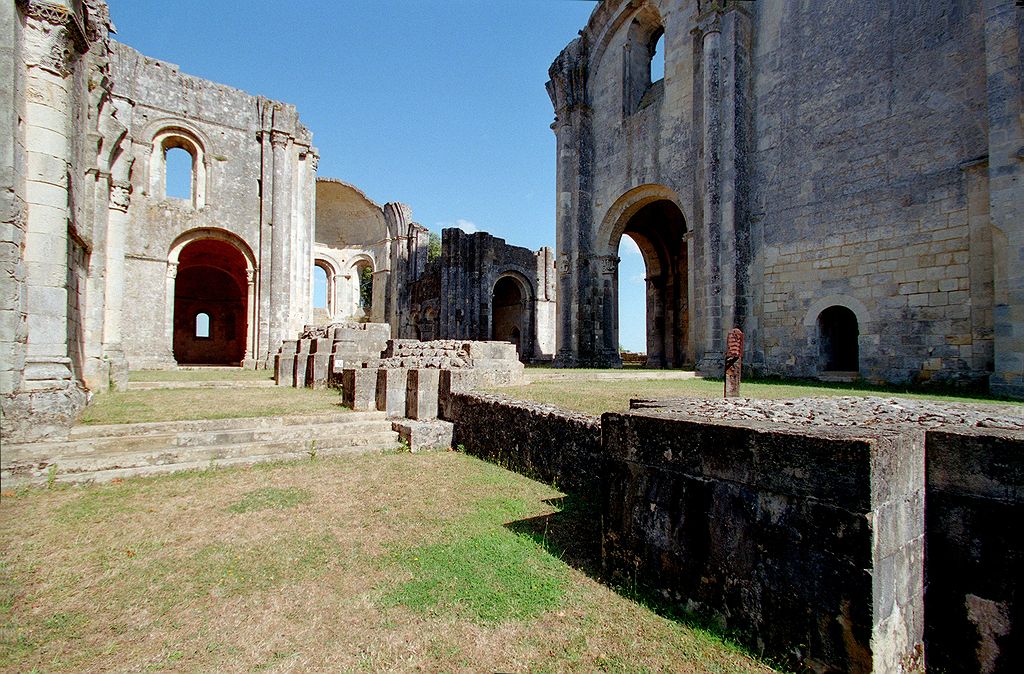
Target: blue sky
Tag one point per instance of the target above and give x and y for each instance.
(438, 105)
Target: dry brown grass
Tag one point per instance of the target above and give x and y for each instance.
(208, 403)
(311, 573)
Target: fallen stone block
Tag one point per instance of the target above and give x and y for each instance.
(423, 436)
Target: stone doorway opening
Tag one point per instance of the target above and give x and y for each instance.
(510, 313)
(210, 304)
(838, 334)
(659, 231)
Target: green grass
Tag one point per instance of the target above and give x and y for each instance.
(193, 403)
(270, 497)
(598, 396)
(200, 375)
(434, 562)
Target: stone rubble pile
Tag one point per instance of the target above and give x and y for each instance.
(442, 354)
(846, 411)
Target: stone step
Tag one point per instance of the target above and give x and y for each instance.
(160, 427)
(107, 452)
(180, 440)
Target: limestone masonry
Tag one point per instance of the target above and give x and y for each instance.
(841, 180)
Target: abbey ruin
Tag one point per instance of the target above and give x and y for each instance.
(840, 180)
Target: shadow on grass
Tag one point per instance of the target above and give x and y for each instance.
(573, 535)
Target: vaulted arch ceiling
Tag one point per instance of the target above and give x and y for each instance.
(346, 217)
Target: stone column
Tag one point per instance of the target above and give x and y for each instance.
(568, 91)
(113, 290)
(1006, 191)
(48, 50)
(280, 252)
(251, 335)
(172, 275)
(606, 275)
(711, 360)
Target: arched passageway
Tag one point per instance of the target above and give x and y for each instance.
(659, 231)
(510, 313)
(838, 334)
(210, 304)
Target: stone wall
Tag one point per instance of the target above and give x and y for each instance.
(973, 601)
(807, 543)
(253, 188)
(541, 441)
(875, 169)
(472, 265)
(800, 523)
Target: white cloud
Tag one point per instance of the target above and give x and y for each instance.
(465, 225)
(638, 279)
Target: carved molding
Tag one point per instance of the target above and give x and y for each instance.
(70, 26)
(250, 276)
(172, 270)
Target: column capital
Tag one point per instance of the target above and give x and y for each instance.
(172, 270)
(57, 33)
(250, 276)
(120, 195)
(279, 138)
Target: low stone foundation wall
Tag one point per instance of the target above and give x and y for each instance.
(975, 551)
(811, 544)
(540, 441)
(800, 524)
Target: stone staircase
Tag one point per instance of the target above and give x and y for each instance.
(103, 453)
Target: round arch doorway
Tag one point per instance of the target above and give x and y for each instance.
(510, 314)
(658, 229)
(210, 304)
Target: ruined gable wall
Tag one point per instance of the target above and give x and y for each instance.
(866, 114)
(228, 121)
(654, 144)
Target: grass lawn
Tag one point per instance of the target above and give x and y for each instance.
(597, 396)
(201, 374)
(437, 562)
(124, 407)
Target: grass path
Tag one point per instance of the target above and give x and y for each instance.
(437, 562)
(594, 396)
(197, 403)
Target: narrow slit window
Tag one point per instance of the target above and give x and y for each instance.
(202, 325)
(179, 173)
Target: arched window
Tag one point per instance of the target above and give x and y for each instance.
(364, 274)
(179, 177)
(644, 61)
(320, 284)
(837, 340)
(658, 59)
(202, 325)
(177, 167)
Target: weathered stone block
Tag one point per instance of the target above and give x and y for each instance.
(284, 369)
(975, 493)
(808, 543)
(359, 389)
(422, 436)
(391, 387)
(421, 396)
(318, 369)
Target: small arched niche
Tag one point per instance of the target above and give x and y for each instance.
(178, 167)
(838, 340)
